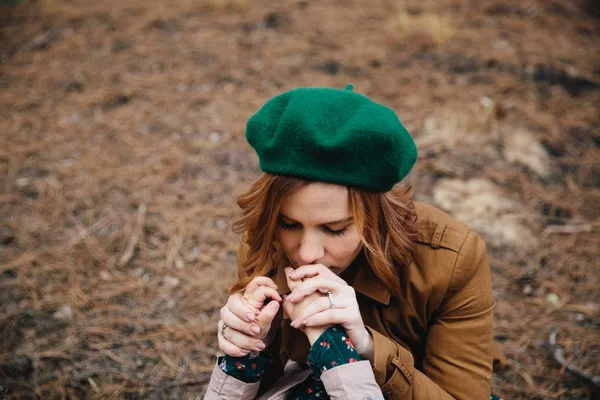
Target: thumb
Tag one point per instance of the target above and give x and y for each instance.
(287, 305)
(268, 313)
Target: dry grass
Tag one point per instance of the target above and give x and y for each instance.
(428, 27)
(228, 5)
(122, 152)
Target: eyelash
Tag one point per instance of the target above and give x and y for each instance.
(288, 227)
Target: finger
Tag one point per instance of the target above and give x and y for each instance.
(329, 317)
(258, 297)
(317, 306)
(236, 305)
(267, 315)
(231, 349)
(241, 340)
(312, 270)
(234, 322)
(291, 283)
(260, 281)
(288, 307)
(313, 285)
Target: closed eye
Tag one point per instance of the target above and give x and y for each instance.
(287, 227)
(332, 232)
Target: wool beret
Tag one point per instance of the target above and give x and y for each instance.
(332, 135)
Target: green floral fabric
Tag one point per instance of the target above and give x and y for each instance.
(331, 349)
(247, 369)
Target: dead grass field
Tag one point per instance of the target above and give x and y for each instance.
(122, 151)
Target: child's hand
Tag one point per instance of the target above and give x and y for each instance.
(294, 310)
(248, 321)
(266, 301)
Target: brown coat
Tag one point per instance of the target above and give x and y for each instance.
(435, 340)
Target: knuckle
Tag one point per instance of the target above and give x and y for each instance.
(226, 319)
(238, 351)
(246, 327)
(248, 343)
(264, 290)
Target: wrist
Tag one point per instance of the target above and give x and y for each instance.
(314, 333)
(366, 347)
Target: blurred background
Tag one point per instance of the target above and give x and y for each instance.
(122, 152)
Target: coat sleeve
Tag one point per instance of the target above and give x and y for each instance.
(226, 387)
(351, 381)
(458, 353)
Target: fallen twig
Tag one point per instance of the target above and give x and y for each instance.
(42, 40)
(551, 229)
(135, 237)
(560, 358)
(84, 233)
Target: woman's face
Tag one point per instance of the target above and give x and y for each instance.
(315, 226)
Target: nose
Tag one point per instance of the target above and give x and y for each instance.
(311, 249)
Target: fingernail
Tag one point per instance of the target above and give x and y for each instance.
(249, 316)
(290, 296)
(260, 345)
(254, 329)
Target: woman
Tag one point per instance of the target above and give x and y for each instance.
(332, 237)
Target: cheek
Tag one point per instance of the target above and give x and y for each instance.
(285, 239)
(345, 249)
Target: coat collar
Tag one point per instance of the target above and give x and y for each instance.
(359, 275)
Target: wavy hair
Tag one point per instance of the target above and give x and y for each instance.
(385, 221)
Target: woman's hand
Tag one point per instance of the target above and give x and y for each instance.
(294, 310)
(251, 324)
(319, 279)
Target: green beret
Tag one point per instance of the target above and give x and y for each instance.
(332, 135)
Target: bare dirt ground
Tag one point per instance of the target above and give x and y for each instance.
(122, 151)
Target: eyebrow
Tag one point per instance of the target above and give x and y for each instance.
(339, 221)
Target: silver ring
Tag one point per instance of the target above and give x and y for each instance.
(223, 331)
(331, 301)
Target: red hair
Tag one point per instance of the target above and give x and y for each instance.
(385, 221)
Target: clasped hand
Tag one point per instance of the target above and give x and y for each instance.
(252, 320)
